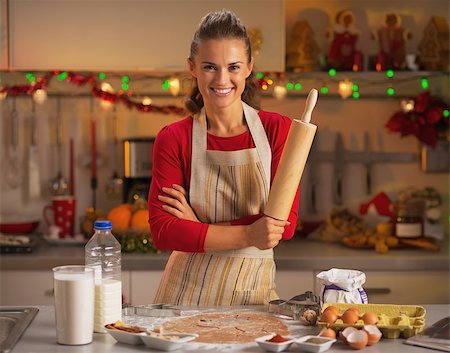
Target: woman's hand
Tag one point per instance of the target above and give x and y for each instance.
(266, 232)
(176, 203)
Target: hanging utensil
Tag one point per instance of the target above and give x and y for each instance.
(59, 185)
(312, 168)
(339, 160)
(367, 163)
(93, 156)
(13, 175)
(114, 183)
(34, 183)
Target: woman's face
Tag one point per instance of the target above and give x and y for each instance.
(221, 67)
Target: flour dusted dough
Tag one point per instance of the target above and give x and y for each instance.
(227, 327)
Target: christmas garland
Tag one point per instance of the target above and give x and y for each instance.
(83, 80)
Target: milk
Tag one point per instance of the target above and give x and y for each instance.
(108, 303)
(74, 305)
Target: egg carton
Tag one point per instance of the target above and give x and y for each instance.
(394, 320)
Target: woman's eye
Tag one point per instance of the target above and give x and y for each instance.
(234, 67)
(209, 67)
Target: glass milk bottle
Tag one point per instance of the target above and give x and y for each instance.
(103, 253)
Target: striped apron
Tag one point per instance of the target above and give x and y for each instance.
(225, 185)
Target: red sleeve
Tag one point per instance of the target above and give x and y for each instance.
(169, 232)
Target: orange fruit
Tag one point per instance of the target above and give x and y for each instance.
(120, 217)
(139, 221)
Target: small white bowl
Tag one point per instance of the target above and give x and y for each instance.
(273, 346)
(306, 346)
(158, 341)
(126, 337)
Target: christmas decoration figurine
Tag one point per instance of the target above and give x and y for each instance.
(302, 52)
(344, 35)
(434, 47)
(391, 38)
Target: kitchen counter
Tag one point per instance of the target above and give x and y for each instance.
(293, 255)
(40, 337)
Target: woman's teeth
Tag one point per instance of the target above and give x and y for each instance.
(222, 91)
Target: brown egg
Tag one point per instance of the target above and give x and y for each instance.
(358, 339)
(333, 309)
(345, 332)
(328, 316)
(370, 318)
(373, 333)
(328, 332)
(356, 310)
(349, 317)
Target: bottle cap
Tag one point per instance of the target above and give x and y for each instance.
(103, 225)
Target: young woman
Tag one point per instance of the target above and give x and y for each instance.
(211, 177)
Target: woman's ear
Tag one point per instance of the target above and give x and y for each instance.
(191, 67)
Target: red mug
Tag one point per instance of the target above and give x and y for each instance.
(63, 208)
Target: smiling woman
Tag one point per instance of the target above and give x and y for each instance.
(211, 178)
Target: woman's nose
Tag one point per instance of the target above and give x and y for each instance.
(222, 76)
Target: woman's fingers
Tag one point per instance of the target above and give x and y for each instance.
(180, 189)
(171, 201)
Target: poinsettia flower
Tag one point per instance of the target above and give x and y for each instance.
(434, 114)
(426, 121)
(429, 135)
(422, 102)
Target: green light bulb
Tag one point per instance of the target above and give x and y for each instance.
(165, 85)
(298, 86)
(324, 89)
(446, 113)
(332, 72)
(259, 75)
(390, 91)
(424, 83)
(390, 73)
(356, 95)
(355, 87)
(101, 75)
(289, 85)
(125, 86)
(125, 79)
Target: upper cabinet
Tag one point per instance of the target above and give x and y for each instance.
(3, 35)
(128, 35)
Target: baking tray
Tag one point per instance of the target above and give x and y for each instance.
(18, 244)
(13, 323)
(395, 320)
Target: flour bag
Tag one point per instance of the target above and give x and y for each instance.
(342, 286)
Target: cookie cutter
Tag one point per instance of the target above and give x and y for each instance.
(151, 310)
(304, 308)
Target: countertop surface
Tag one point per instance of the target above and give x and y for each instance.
(296, 254)
(40, 337)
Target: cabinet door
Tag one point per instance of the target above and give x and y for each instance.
(36, 287)
(291, 283)
(143, 286)
(132, 35)
(26, 288)
(405, 287)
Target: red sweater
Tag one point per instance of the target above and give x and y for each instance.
(172, 165)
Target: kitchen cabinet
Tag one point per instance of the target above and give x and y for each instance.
(132, 35)
(291, 283)
(36, 287)
(404, 287)
(3, 35)
(143, 286)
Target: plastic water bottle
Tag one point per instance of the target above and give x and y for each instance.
(103, 253)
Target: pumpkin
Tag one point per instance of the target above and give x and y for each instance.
(120, 217)
(139, 221)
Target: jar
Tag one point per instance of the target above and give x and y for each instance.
(409, 219)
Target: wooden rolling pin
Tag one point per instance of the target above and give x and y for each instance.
(292, 162)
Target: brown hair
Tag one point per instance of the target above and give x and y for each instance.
(220, 25)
